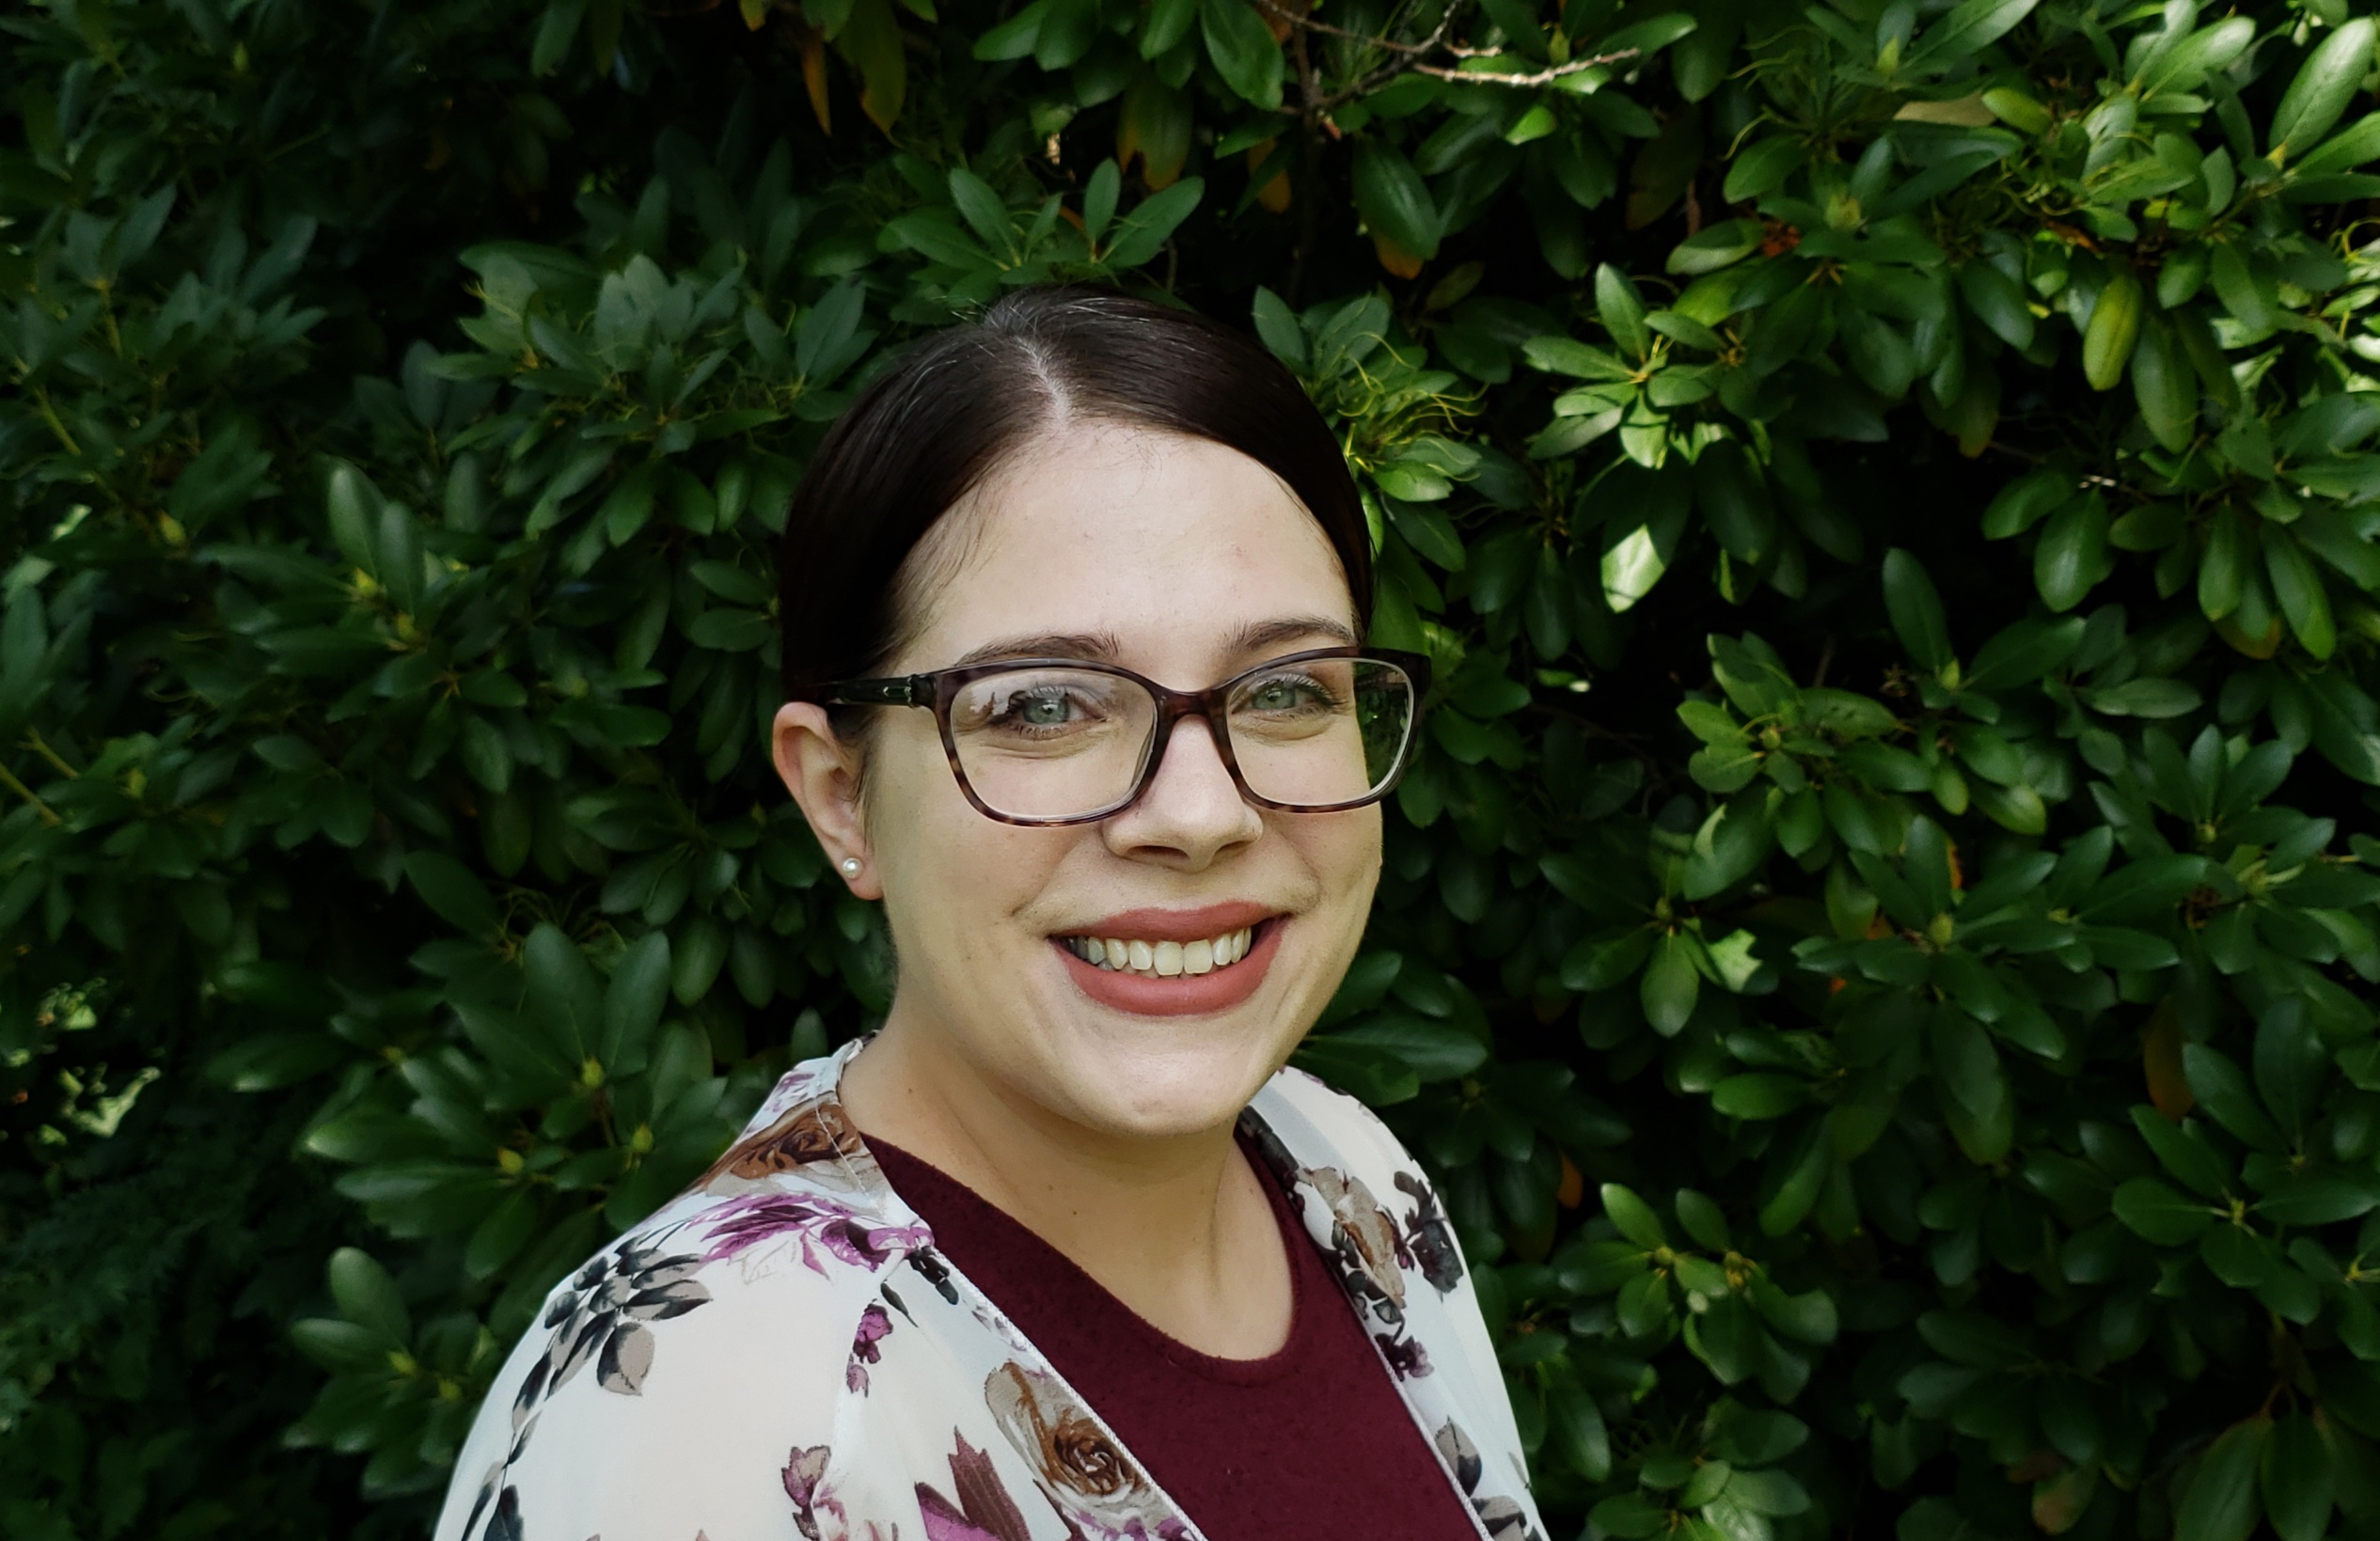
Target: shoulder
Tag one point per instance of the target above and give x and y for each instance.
(676, 1382)
(663, 1390)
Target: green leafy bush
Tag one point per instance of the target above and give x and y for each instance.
(1877, 948)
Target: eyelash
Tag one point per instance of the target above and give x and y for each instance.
(1303, 681)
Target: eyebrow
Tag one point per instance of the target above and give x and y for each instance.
(1265, 634)
(1103, 647)
(1097, 647)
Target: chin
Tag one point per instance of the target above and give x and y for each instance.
(1158, 1090)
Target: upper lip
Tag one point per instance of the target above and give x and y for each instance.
(1176, 925)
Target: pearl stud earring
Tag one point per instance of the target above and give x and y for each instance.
(850, 866)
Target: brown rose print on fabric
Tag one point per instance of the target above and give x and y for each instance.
(982, 1510)
(1365, 1236)
(1093, 1484)
(1374, 1248)
(813, 1130)
(1499, 1515)
(1369, 1252)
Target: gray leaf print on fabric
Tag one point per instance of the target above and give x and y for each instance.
(1429, 1240)
(600, 1317)
(1500, 1515)
(499, 1506)
(627, 1355)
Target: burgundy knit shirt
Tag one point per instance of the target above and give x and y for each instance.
(1312, 1443)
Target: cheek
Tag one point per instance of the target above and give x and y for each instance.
(1343, 852)
(948, 869)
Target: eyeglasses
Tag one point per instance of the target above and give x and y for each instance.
(1056, 741)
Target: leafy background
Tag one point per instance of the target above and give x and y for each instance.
(1877, 948)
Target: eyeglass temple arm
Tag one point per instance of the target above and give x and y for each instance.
(912, 690)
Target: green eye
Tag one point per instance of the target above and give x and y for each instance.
(1043, 711)
(1287, 694)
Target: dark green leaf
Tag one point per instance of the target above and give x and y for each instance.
(1916, 609)
(2219, 1502)
(1250, 61)
(2156, 1213)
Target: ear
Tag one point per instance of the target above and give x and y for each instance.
(822, 774)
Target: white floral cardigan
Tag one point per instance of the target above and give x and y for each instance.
(781, 1352)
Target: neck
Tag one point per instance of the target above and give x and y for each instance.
(1174, 1226)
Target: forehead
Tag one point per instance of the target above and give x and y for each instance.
(1164, 541)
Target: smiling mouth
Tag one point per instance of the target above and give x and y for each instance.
(1167, 959)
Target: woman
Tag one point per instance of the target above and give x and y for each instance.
(1073, 604)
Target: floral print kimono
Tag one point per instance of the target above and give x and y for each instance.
(781, 1352)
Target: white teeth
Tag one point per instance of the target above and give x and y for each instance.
(1162, 960)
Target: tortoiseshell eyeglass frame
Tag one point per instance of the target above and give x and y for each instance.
(937, 689)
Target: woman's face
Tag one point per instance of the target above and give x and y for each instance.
(1187, 562)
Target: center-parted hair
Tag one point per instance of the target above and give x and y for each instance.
(956, 404)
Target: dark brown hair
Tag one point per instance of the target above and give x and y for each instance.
(944, 414)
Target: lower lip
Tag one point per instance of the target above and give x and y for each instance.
(1184, 995)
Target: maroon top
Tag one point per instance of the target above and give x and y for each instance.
(1312, 1441)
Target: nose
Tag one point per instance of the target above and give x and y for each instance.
(1191, 812)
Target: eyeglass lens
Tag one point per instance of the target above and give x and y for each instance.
(1052, 743)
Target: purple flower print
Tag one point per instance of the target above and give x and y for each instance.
(874, 1323)
(805, 1478)
(821, 1227)
(982, 1510)
(1405, 1355)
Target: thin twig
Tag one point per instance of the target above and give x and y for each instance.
(1310, 166)
(1435, 43)
(1481, 77)
(49, 415)
(41, 746)
(48, 814)
(1305, 24)
(1366, 85)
